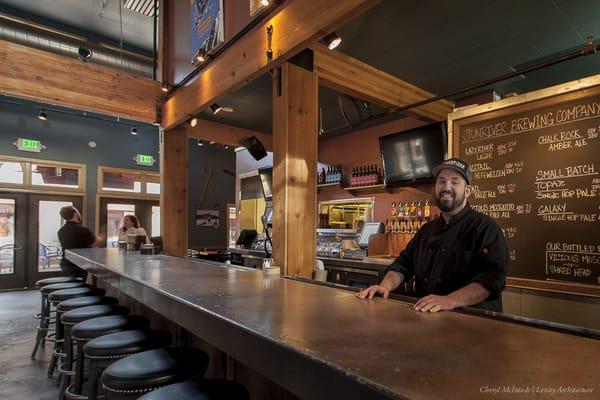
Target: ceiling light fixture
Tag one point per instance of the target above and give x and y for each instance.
(165, 86)
(85, 52)
(42, 115)
(226, 146)
(332, 40)
(215, 108)
(200, 56)
(134, 131)
(200, 142)
(264, 3)
(194, 122)
(212, 142)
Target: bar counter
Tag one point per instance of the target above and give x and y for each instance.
(320, 342)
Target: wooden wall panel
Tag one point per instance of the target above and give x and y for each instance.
(295, 102)
(174, 191)
(50, 78)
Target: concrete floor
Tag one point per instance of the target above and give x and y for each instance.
(20, 377)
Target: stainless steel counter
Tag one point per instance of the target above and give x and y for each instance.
(320, 342)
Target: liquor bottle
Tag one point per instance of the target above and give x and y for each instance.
(406, 209)
(388, 226)
(419, 209)
(427, 210)
(393, 209)
(412, 211)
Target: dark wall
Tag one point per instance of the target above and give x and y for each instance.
(221, 185)
(67, 137)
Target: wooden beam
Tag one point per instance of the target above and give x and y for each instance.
(174, 191)
(348, 75)
(39, 75)
(296, 23)
(295, 102)
(225, 134)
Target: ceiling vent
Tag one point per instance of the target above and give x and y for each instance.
(145, 7)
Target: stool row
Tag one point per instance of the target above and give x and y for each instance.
(97, 341)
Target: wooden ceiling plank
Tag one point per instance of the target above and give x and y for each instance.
(356, 78)
(296, 24)
(50, 78)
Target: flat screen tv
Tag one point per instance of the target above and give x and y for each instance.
(266, 179)
(410, 156)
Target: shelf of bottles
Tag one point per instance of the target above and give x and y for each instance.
(365, 175)
(407, 217)
(330, 177)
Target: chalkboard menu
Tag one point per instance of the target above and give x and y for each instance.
(536, 171)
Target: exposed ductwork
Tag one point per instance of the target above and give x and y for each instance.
(42, 37)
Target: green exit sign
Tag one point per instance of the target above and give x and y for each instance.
(29, 145)
(144, 159)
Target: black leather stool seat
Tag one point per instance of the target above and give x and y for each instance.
(65, 294)
(57, 279)
(59, 286)
(210, 389)
(124, 343)
(86, 313)
(92, 328)
(152, 369)
(84, 301)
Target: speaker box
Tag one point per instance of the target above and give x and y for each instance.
(255, 147)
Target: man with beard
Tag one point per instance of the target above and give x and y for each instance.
(457, 260)
(73, 235)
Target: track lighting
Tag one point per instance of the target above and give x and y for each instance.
(212, 142)
(332, 40)
(165, 87)
(226, 146)
(215, 108)
(85, 52)
(200, 142)
(134, 131)
(194, 122)
(200, 56)
(264, 3)
(42, 115)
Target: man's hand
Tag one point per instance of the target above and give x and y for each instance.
(434, 303)
(371, 291)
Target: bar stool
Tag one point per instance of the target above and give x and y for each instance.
(104, 350)
(209, 389)
(56, 279)
(46, 311)
(135, 375)
(72, 298)
(54, 299)
(69, 320)
(90, 329)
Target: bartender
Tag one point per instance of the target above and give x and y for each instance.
(457, 260)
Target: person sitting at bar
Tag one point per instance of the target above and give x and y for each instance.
(73, 235)
(457, 260)
(131, 226)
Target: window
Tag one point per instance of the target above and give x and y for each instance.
(122, 182)
(142, 184)
(155, 221)
(114, 221)
(11, 172)
(46, 175)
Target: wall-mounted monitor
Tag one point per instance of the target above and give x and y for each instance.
(266, 179)
(410, 156)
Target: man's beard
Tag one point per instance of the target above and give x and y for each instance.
(448, 205)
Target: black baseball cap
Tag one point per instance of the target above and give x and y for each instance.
(456, 164)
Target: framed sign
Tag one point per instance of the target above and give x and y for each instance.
(207, 26)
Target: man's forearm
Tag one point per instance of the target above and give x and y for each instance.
(471, 294)
(392, 280)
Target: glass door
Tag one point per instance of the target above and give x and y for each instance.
(44, 250)
(112, 211)
(13, 226)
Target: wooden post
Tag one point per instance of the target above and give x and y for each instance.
(295, 102)
(174, 191)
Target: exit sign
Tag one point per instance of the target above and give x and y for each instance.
(29, 145)
(144, 159)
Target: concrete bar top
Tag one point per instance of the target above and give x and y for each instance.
(319, 342)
